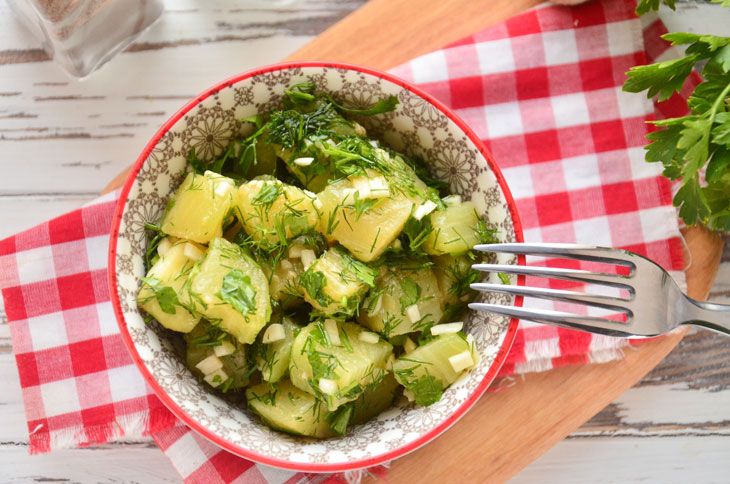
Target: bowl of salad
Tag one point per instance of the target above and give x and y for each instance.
(290, 264)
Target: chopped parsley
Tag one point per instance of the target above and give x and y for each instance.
(314, 283)
(340, 418)
(362, 272)
(426, 389)
(165, 295)
(238, 291)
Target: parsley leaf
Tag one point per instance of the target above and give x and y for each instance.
(165, 295)
(692, 202)
(314, 283)
(718, 165)
(257, 120)
(340, 419)
(363, 272)
(268, 194)
(694, 138)
(363, 205)
(645, 6)
(238, 291)
(721, 132)
(301, 94)
(198, 166)
(663, 78)
(382, 106)
(411, 291)
(426, 390)
(688, 144)
(417, 232)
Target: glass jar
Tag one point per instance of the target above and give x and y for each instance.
(81, 35)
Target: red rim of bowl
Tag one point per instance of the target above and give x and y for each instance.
(234, 448)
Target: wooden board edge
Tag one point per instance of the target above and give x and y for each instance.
(385, 44)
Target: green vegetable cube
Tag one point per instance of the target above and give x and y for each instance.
(336, 282)
(203, 341)
(330, 361)
(273, 358)
(361, 214)
(405, 300)
(160, 294)
(314, 176)
(200, 207)
(260, 158)
(285, 407)
(427, 371)
(272, 212)
(283, 282)
(229, 289)
(374, 399)
(454, 274)
(455, 229)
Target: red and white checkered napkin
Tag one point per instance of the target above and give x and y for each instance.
(542, 89)
(79, 384)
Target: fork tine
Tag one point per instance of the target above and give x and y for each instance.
(597, 300)
(588, 277)
(565, 251)
(590, 324)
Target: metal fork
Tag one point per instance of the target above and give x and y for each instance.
(655, 304)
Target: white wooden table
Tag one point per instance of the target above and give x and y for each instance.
(62, 140)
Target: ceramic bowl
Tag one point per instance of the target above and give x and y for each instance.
(419, 126)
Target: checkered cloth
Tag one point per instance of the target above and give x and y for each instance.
(542, 89)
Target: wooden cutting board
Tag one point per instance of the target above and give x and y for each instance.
(505, 430)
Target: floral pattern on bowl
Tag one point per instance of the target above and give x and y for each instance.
(419, 126)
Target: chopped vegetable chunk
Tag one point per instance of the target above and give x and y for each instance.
(160, 294)
(199, 208)
(336, 282)
(360, 214)
(428, 370)
(347, 369)
(229, 289)
(272, 212)
(454, 229)
(405, 300)
(287, 408)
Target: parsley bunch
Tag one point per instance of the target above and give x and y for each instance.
(701, 139)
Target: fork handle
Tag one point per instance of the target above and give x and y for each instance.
(707, 315)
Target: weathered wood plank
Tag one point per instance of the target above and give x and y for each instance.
(693, 16)
(664, 403)
(632, 461)
(117, 464)
(20, 212)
